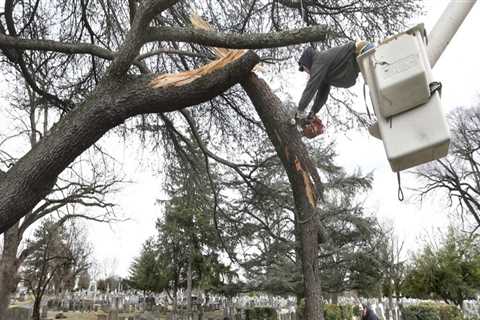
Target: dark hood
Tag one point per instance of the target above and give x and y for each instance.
(306, 58)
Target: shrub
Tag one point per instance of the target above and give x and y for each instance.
(338, 312)
(260, 314)
(357, 312)
(431, 311)
(449, 312)
(331, 311)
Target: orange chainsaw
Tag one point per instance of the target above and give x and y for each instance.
(310, 127)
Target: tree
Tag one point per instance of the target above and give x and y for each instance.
(135, 95)
(394, 269)
(102, 96)
(84, 185)
(84, 280)
(61, 254)
(449, 272)
(147, 273)
(458, 174)
(188, 250)
(347, 238)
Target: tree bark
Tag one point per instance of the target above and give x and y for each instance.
(174, 306)
(189, 286)
(36, 309)
(32, 177)
(8, 268)
(304, 181)
(391, 306)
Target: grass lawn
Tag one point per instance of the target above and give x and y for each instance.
(74, 315)
(217, 315)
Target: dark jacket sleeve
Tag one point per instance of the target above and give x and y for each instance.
(321, 97)
(316, 83)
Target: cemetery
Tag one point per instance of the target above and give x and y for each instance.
(128, 305)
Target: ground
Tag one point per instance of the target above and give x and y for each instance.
(92, 315)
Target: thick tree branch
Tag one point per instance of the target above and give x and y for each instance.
(239, 41)
(55, 46)
(32, 177)
(172, 52)
(207, 38)
(135, 37)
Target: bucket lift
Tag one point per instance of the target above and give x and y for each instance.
(405, 99)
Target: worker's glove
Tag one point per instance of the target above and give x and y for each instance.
(300, 115)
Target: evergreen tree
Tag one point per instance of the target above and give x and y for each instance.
(450, 272)
(147, 272)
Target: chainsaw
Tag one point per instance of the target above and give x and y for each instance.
(310, 127)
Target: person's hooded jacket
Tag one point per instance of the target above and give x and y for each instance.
(333, 67)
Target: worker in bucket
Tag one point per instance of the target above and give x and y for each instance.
(332, 67)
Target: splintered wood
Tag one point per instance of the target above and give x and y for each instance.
(179, 79)
(182, 78)
(199, 23)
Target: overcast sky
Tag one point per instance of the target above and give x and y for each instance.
(116, 245)
(455, 69)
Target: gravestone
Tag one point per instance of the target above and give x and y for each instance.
(113, 315)
(146, 316)
(44, 313)
(19, 313)
(102, 315)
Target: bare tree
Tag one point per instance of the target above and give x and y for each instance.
(65, 208)
(458, 174)
(85, 184)
(59, 254)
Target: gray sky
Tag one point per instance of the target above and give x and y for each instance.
(116, 245)
(455, 69)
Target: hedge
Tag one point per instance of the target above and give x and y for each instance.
(431, 311)
(332, 311)
(260, 314)
(337, 312)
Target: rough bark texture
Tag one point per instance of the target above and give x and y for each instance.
(304, 181)
(238, 41)
(8, 268)
(31, 178)
(189, 287)
(36, 310)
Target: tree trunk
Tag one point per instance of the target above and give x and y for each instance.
(300, 294)
(391, 306)
(36, 308)
(189, 287)
(174, 307)
(300, 171)
(8, 268)
(334, 297)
